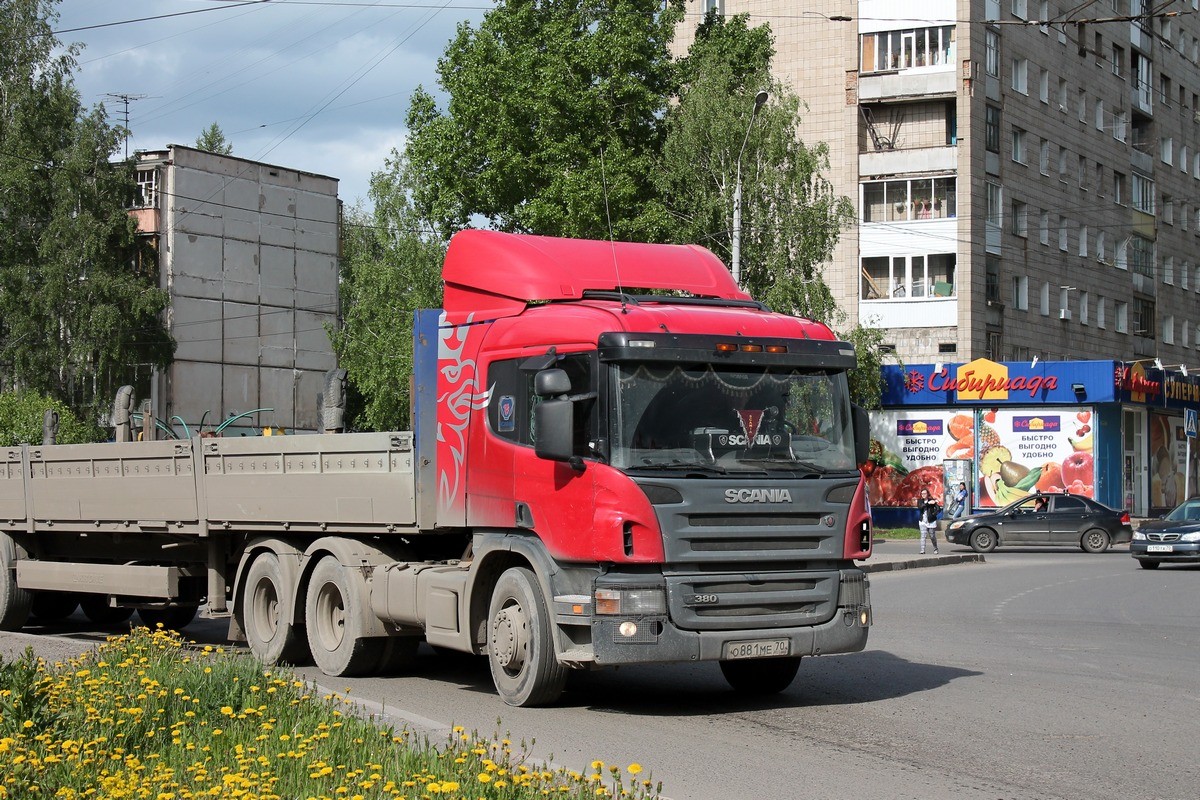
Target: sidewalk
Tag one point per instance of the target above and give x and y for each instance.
(897, 554)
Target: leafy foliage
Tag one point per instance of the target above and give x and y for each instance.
(391, 265)
(21, 415)
(212, 139)
(79, 302)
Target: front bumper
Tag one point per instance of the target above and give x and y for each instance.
(1181, 552)
(657, 639)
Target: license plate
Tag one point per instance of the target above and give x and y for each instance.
(764, 648)
(1159, 548)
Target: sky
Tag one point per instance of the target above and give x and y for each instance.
(320, 86)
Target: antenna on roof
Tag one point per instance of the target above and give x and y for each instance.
(611, 242)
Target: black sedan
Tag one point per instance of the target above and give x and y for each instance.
(1174, 538)
(1044, 519)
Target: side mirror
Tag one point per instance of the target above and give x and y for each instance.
(862, 435)
(551, 382)
(554, 426)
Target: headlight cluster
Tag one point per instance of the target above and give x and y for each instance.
(1138, 536)
(631, 601)
(1190, 537)
(956, 525)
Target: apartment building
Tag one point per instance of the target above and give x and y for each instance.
(248, 253)
(1026, 172)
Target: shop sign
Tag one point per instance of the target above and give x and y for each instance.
(1135, 381)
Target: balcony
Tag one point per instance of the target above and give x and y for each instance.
(898, 162)
(873, 87)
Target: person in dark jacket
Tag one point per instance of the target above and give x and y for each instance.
(927, 514)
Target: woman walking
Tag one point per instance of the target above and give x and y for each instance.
(927, 514)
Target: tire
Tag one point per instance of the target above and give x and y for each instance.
(265, 593)
(1094, 541)
(1146, 563)
(983, 540)
(761, 676)
(96, 608)
(520, 647)
(335, 626)
(15, 603)
(173, 618)
(53, 606)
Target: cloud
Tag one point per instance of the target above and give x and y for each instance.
(320, 88)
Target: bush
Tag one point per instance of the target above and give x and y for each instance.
(21, 415)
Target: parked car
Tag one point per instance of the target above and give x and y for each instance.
(1044, 519)
(1174, 538)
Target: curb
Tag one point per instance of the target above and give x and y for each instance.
(924, 561)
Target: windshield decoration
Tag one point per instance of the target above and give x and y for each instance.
(750, 421)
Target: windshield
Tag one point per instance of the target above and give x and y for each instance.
(731, 418)
(1185, 511)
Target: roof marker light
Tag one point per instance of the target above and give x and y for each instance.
(777, 348)
(641, 343)
(752, 348)
(726, 348)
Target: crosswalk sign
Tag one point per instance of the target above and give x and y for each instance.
(1190, 421)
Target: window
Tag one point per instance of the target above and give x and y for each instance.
(1085, 299)
(1169, 270)
(1081, 171)
(994, 208)
(1044, 228)
(991, 286)
(1164, 90)
(1122, 261)
(1184, 330)
(1168, 210)
(1043, 15)
(1064, 300)
(992, 53)
(1044, 157)
(903, 200)
(908, 48)
(1141, 70)
(1143, 193)
(1185, 270)
(1119, 192)
(1020, 9)
(1143, 318)
(147, 183)
(1044, 86)
(1102, 247)
(1018, 145)
(1100, 306)
(1099, 115)
(1121, 324)
(1020, 289)
(1081, 105)
(1064, 157)
(1020, 75)
(1168, 329)
(1118, 61)
(1019, 221)
(1183, 158)
(1062, 95)
(1064, 227)
(1141, 255)
(508, 380)
(904, 278)
(1083, 240)
(1119, 126)
(1100, 179)
(1166, 150)
(991, 129)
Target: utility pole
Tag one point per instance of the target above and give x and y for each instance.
(125, 99)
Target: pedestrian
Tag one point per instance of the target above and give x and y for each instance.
(960, 502)
(927, 514)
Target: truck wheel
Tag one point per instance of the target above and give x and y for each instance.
(520, 644)
(53, 606)
(1094, 541)
(96, 608)
(272, 639)
(173, 618)
(15, 603)
(983, 540)
(762, 676)
(333, 611)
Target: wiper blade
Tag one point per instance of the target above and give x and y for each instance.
(677, 464)
(791, 464)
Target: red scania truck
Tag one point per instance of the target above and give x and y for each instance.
(617, 458)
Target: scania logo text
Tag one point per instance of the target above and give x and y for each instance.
(758, 496)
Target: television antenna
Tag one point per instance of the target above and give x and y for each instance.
(126, 98)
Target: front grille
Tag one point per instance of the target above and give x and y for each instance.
(728, 602)
(1163, 537)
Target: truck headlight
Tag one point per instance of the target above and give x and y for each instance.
(1138, 536)
(631, 601)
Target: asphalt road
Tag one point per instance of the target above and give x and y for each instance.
(1038, 674)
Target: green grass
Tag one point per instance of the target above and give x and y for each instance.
(148, 715)
(897, 533)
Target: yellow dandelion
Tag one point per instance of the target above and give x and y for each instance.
(634, 769)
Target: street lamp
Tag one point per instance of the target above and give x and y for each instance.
(759, 100)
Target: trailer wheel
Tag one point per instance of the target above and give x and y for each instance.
(760, 676)
(271, 638)
(96, 608)
(15, 602)
(520, 645)
(173, 618)
(53, 606)
(333, 612)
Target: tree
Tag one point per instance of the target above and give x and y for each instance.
(79, 301)
(212, 139)
(391, 265)
(791, 219)
(553, 121)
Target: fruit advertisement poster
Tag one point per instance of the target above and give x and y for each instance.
(1021, 451)
(1168, 462)
(907, 452)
